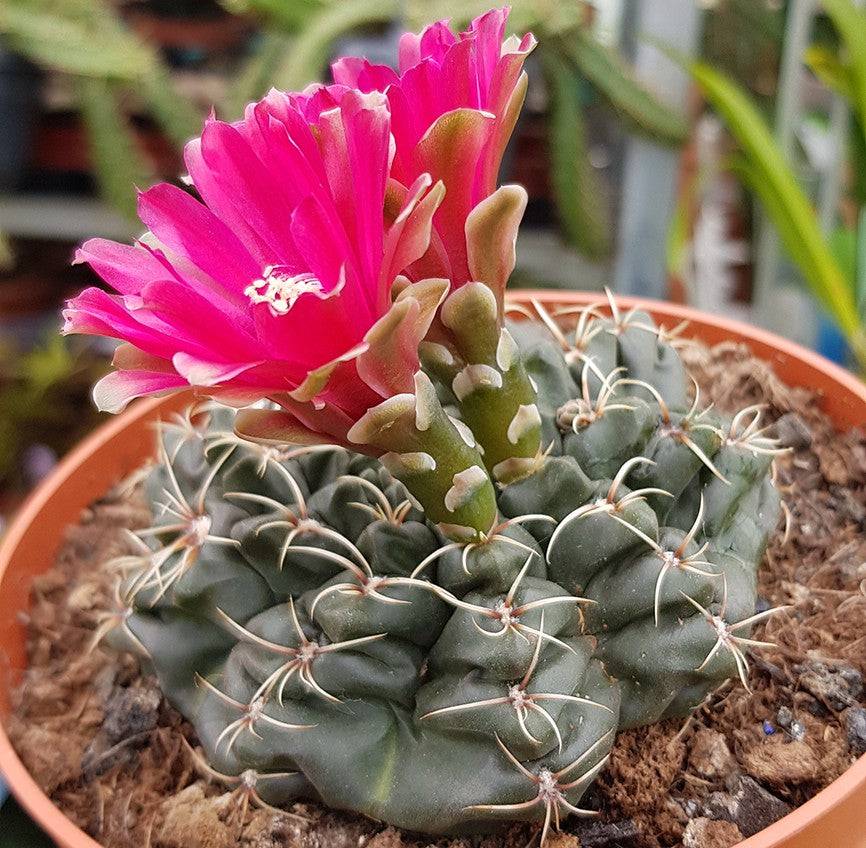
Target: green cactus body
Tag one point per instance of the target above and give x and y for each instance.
(328, 642)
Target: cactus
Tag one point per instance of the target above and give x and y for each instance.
(328, 642)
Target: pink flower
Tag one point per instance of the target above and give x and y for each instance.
(453, 106)
(278, 284)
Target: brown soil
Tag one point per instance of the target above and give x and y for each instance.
(117, 759)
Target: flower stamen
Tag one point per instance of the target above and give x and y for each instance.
(280, 289)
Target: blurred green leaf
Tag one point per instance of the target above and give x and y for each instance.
(758, 19)
(177, 117)
(82, 38)
(308, 59)
(857, 154)
(118, 164)
(847, 78)
(850, 23)
(580, 199)
(258, 73)
(763, 166)
(800, 244)
(615, 82)
(88, 40)
(679, 239)
(825, 64)
(288, 16)
(44, 398)
(7, 253)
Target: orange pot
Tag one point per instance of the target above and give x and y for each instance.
(833, 818)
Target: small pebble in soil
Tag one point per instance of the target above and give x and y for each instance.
(836, 688)
(855, 729)
(709, 755)
(132, 710)
(797, 730)
(784, 717)
(691, 807)
(792, 431)
(598, 834)
(130, 713)
(793, 727)
(762, 604)
(749, 806)
(847, 504)
(710, 833)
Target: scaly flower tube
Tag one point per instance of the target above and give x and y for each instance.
(279, 285)
(454, 104)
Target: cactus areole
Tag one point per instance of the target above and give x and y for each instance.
(408, 556)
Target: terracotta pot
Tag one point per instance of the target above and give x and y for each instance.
(834, 817)
(28, 548)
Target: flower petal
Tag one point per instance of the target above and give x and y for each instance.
(359, 73)
(390, 363)
(126, 268)
(468, 131)
(194, 322)
(316, 380)
(237, 186)
(408, 237)
(190, 229)
(356, 145)
(301, 423)
(206, 373)
(98, 313)
(491, 235)
(114, 391)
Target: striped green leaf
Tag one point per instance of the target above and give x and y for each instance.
(615, 81)
(768, 174)
(580, 199)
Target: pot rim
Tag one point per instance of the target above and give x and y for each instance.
(810, 369)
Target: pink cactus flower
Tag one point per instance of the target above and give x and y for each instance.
(278, 283)
(453, 105)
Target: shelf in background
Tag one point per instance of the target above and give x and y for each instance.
(61, 217)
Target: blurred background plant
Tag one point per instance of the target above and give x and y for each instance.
(111, 71)
(822, 230)
(574, 71)
(44, 398)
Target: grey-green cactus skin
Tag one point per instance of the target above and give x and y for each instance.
(667, 569)
(327, 642)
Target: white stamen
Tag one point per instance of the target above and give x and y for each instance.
(280, 289)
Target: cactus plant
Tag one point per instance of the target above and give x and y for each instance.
(327, 641)
(450, 552)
